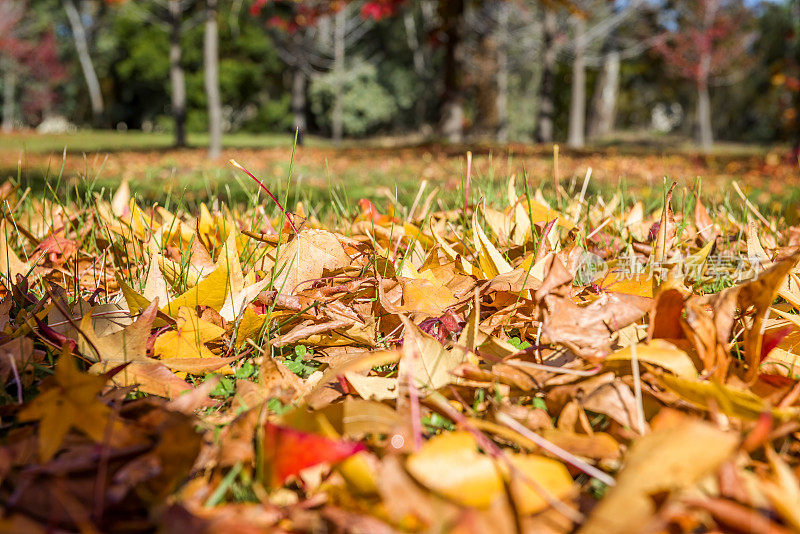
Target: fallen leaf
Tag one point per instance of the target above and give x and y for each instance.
(286, 451)
(451, 465)
(70, 400)
(658, 463)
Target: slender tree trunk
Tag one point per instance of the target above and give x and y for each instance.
(577, 104)
(418, 56)
(298, 102)
(604, 102)
(705, 131)
(85, 59)
(452, 119)
(337, 119)
(176, 76)
(502, 72)
(544, 124)
(211, 78)
(9, 91)
(485, 72)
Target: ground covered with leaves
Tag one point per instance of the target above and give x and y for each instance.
(542, 363)
(373, 171)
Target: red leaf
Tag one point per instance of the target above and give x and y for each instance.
(772, 339)
(287, 451)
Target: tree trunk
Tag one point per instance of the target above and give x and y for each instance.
(9, 91)
(502, 72)
(485, 72)
(604, 102)
(177, 81)
(299, 103)
(706, 134)
(211, 78)
(544, 124)
(418, 56)
(85, 59)
(337, 119)
(577, 104)
(452, 118)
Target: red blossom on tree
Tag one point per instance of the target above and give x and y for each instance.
(31, 57)
(705, 39)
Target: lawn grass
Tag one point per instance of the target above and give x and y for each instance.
(90, 141)
(323, 176)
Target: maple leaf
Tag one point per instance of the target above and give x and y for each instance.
(306, 257)
(69, 400)
(126, 345)
(189, 339)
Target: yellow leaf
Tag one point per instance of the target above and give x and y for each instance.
(731, 401)
(10, 264)
(136, 302)
(665, 460)
(451, 465)
(211, 291)
(189, 339)
(372, 387)
(640, 284)
(426, 359)
(69, 401)
(491, 261)
(662, 353)
(451, 254)
(249, 326)
(540, 213)
(425, 296)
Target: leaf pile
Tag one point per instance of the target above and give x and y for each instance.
(532, 366)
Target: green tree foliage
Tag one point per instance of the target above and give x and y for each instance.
(366, 103)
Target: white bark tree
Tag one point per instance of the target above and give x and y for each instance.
(81, 40)
(211, 79)
(577, 108)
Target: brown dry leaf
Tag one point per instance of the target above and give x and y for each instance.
(307, 329)
(279, 382)
(667, 230)
(587, 330)
(665, 315)
(710, 331)
(148, 376)
(306, 258)
(155, 286)
(703, 223)
(17, 358)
